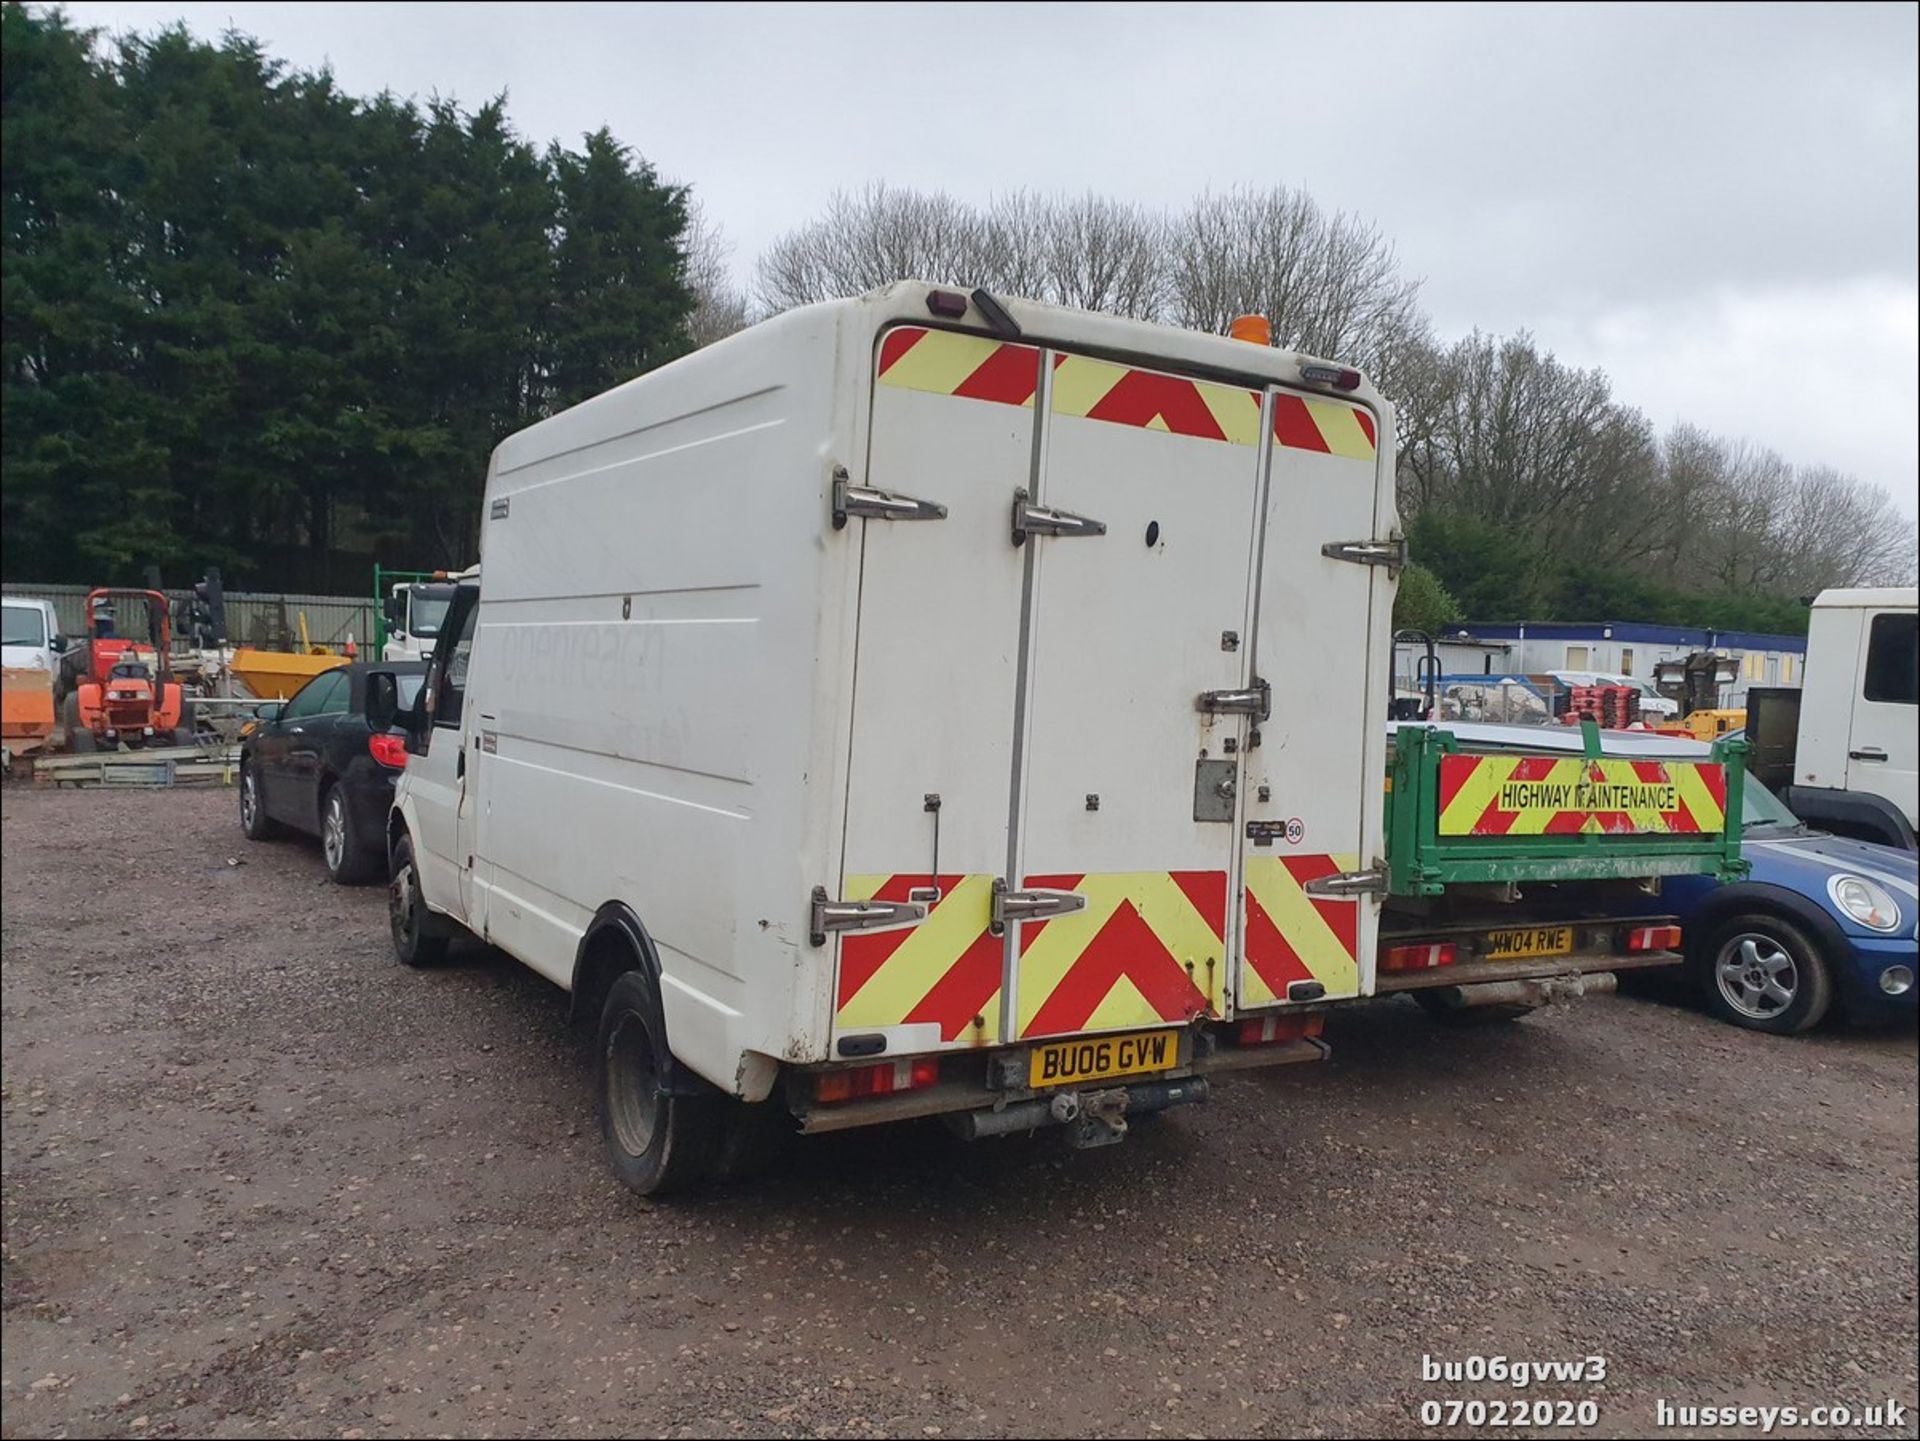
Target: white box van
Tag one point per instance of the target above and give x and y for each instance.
(870, 713)
(1844, 749)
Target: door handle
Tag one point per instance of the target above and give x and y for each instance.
(1031, 519)
(1256, 701)
(1030, 906)
(1870, 754)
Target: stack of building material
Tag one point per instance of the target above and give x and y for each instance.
(1612, 707)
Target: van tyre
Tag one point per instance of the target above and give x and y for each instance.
(254, 824)
(348, 863)
(419, 937)
(1764, 973)
(657, 1143)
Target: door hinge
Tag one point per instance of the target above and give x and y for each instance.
(1392, 552)
(830, 915)
(1370, 882)
(1031, 519)
(861, 500)
(1256, 701)
(1030, 906)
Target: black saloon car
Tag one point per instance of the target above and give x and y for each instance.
(316, 764)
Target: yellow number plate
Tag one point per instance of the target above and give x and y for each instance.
(1534, 941)
(1095, 1058)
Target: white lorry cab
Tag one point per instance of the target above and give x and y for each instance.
(869, 716)
(1843, 750)
(413, 612)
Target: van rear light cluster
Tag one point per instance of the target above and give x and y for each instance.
(1418, 958)
(389, 750)
(886, 1079)
(1337, 376)
(1653, 938)
(1270, 1030)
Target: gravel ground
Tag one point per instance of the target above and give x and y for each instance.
(259, 1179)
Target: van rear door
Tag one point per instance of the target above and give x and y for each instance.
(1320, 638)
(935, 676)
(1130, 788)
(1060, 683)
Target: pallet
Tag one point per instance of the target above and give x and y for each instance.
(155, 766)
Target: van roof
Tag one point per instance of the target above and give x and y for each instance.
(1144, 340)
(904, 302)
(1886, 597)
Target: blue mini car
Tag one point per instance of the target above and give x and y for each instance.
(1821, 919)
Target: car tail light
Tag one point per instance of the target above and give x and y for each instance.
(389, 750)
(889, 1078)
(1417, 958)
(1654, 938)
(1290, 1026)
(946, 303)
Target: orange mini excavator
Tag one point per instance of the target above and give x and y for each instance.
(128, 696)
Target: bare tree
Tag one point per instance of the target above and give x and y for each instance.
(870, 239)
(720, 306)
(1100, 254)
(1090, 252)
(1328, 285)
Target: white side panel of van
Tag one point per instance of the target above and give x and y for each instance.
(651, 600)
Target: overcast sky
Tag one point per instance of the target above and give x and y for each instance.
(1715, 204)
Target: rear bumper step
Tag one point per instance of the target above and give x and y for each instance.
(1078, 1109)
(961, 1101)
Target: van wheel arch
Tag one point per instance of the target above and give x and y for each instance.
(616, 942)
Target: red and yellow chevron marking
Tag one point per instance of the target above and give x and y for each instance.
(1291, 936)
(945, 970)
(1572, 795)
(942, 362)
(1145, 951)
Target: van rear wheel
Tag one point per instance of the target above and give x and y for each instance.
(657, 1142)
(419, 939)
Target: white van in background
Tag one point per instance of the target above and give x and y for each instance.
(1843, 751)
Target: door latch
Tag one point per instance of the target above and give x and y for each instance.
(831, 915)
(1392, 552)
(861, 500)
(1372, 881)
(1256, 701)
(1031, 519)
(1030, 906)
